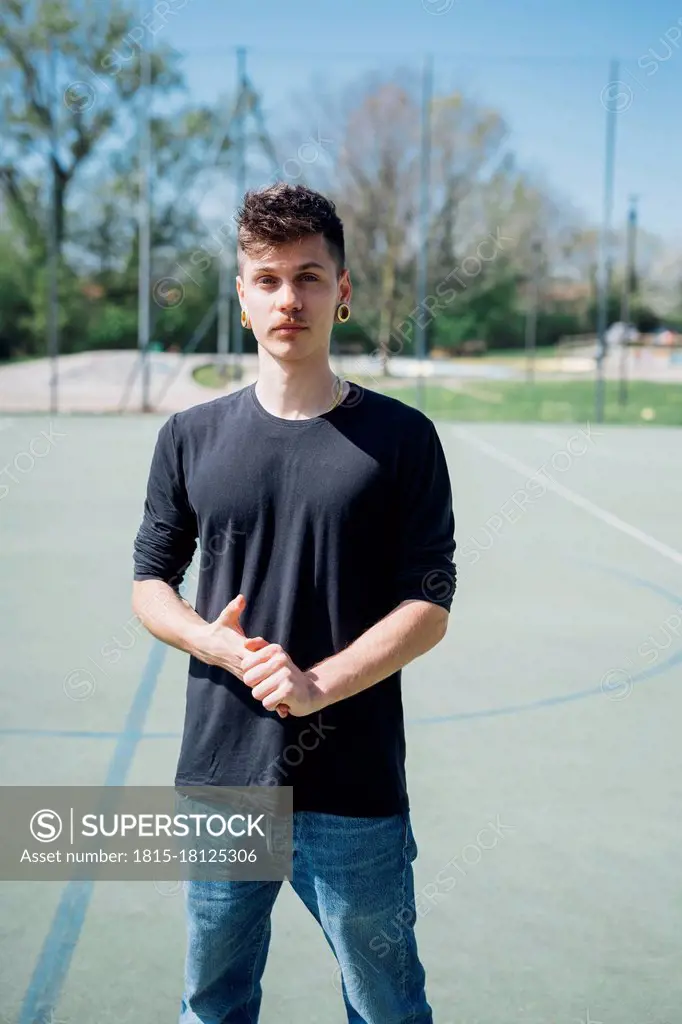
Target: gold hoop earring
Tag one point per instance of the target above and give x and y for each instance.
(342, 312)
(246, 321)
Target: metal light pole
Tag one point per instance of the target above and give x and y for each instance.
(605, 241)
(223, 316)
(144, 217)
(532, 314)
(223, 328)
(628, 288)
(423, 248)
(240, 183)
(53, 240)
(229, 311)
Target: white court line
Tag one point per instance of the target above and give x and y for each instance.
(569, 495)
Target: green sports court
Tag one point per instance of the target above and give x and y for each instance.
(543, 734)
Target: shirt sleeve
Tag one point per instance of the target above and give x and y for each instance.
(166, 540)
(426, 523)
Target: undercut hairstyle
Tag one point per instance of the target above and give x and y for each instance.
(282, 213)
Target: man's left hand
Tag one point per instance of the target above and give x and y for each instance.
(280, 685)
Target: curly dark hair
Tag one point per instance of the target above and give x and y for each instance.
(283, 213)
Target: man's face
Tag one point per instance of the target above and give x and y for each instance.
(291, 292)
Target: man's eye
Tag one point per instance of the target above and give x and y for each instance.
(310, 277)
(265, 280)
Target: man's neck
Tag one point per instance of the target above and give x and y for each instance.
(298, 393)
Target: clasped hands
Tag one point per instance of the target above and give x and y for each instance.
(266, 668)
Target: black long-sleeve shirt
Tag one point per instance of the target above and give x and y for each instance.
(325, 525)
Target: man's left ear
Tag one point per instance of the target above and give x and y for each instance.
(345, 287)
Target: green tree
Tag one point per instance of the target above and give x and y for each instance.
(69, 120)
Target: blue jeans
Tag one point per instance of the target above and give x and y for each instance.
(355, 877)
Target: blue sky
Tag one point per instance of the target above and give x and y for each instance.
(543, 63)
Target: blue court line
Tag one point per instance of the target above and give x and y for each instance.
(85, 734)
(546, 702)
(72, 734)
(52, 966)
(640, 677)
(55, 958)
(631, 577)
(460, 716)
(511, 709)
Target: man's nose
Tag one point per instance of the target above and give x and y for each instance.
(288, 298)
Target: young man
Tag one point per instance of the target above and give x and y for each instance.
(324, 514)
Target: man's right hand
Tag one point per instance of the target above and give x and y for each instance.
(224, 642)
